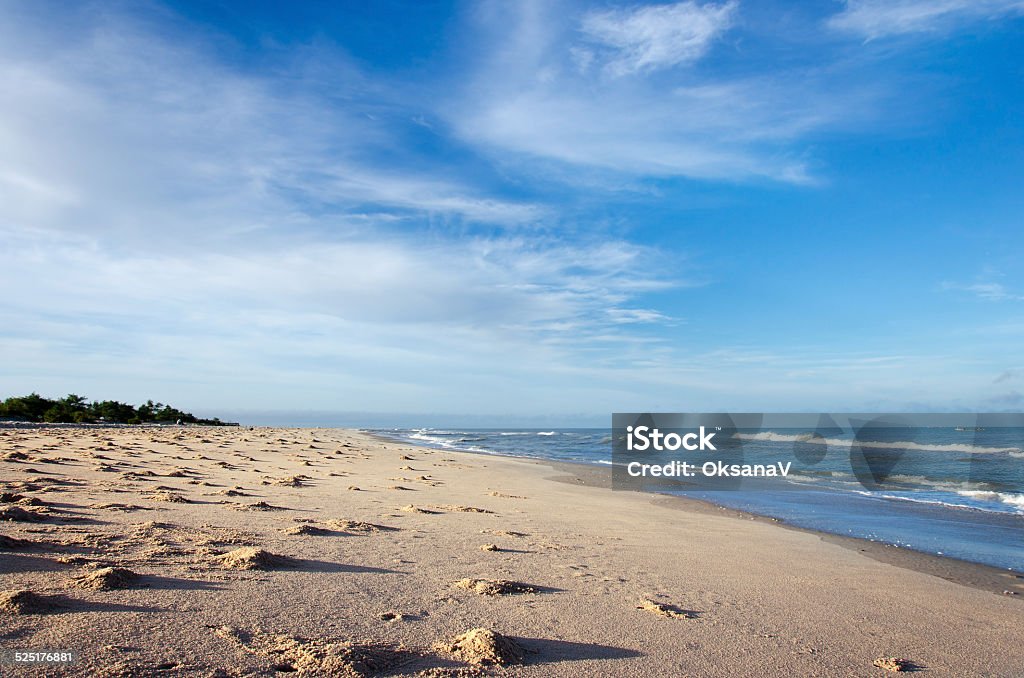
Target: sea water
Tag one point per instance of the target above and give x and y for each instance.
(951, 493)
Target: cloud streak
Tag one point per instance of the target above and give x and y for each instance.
(875, 19)
(627, 92)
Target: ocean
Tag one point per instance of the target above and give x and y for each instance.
(953, 493)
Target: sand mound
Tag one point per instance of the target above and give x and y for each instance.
(665, 610)
(113, 506)
(360, 526)
(494, 587)
(490, 547)
(326, 658)
(312, 530)
(318, 657)
(107, 579)
(23, 601)
(13, 542)
(505, 533)
(292, 481)
(894, 664)
(462, 509)
(483, 646)
(16, 456)
(164, 495)
(415, 509)
(20, 515)
(260, 506)
(252, 558)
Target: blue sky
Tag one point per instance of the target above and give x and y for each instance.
(553, 210)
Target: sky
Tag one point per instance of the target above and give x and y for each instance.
(514, 211)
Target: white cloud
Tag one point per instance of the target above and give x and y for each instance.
(537, 95)
(656, 36)
(880, 18)
(111, 127)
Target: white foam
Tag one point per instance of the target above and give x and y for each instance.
(1010, 498)
(813, 439)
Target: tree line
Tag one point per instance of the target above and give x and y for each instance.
(75, 409)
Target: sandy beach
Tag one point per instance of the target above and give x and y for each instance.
(237, 552)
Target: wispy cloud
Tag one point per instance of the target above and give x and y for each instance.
(990, 291)
(542, 91)
(655, 36)
(113, 127)
(880, 18)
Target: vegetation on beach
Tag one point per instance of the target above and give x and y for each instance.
(75, 409)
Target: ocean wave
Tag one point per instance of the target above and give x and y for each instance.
(813, 439)
(1011, 498)
(547, 433)
(999, 502)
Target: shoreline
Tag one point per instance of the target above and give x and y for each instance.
(964, 572)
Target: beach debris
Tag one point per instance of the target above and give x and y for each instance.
(107, 579)
(24, 601)
(482, 646)
(665, 610)
(490, 547)
(894, 664)
(494, 587)
(253, 558)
